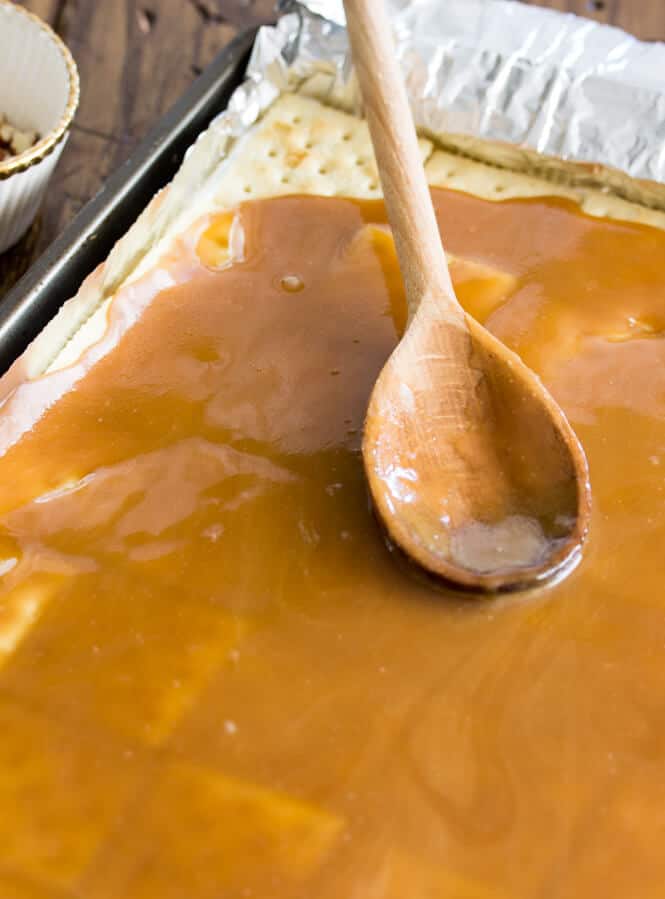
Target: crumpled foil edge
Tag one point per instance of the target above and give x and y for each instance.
(513, 85)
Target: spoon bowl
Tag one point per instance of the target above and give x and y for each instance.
(474, 472)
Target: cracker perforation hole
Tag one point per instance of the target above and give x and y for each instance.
(247, 189)
(346, 136)
(272, 153)
(285, 179)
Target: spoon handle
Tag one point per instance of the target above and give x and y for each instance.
(410, 212)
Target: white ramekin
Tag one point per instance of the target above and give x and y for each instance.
(39, 91)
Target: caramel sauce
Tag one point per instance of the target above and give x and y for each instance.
(214, 679)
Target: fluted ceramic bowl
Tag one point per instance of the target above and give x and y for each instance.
(39, 91)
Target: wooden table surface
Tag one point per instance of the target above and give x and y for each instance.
(137, 58)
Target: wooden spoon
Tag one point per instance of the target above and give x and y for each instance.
(473, 468)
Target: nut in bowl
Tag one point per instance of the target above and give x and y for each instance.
(39, 92)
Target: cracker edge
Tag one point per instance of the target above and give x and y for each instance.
(81, 321)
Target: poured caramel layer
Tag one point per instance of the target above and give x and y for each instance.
(215, 680)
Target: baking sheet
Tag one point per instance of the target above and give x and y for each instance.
(526, 79)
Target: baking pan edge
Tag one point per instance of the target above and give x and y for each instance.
(59, 271)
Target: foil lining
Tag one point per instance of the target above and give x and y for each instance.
(540, 80)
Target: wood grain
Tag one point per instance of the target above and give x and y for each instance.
(643, 18)
(136, 58)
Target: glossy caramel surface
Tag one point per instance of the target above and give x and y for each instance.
(216, 681)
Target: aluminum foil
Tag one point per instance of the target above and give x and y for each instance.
(495, 69)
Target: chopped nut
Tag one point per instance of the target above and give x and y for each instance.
(13, 141)
(23, 140)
